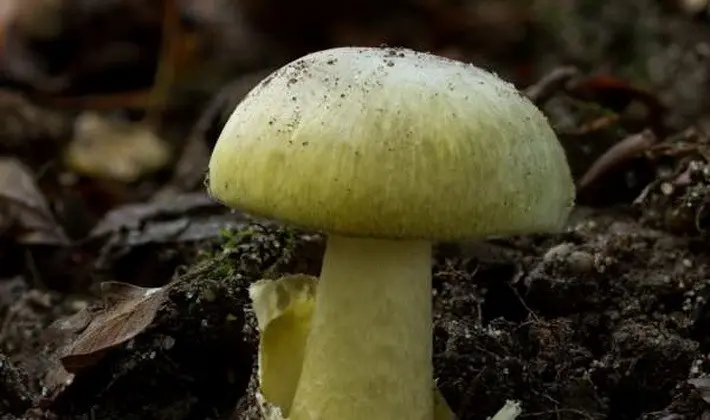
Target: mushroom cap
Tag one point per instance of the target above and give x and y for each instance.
(394, 144)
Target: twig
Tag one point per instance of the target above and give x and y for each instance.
(626, 149)
(167, 62)
(554, 81)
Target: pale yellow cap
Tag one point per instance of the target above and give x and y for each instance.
(392, 143)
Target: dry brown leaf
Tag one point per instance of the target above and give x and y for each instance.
(136, 215)
(118, 150)
(23, 208)
(129, 311)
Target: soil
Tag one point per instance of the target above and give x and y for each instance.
(115, 305)
(607, 320)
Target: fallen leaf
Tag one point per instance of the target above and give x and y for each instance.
(73, 324)
(111, 149)
(133, 216)
(129, 310)
(184, 218)
(283, 309)
(61, 334)
(24, 210)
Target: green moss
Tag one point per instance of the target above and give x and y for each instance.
(256, 250)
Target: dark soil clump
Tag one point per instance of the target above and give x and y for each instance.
(600, 325)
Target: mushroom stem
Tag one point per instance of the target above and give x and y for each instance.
(369, 352)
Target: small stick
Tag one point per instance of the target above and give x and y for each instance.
(552, 82)
(622, 151)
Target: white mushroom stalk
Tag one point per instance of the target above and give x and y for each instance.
(385, 150)
(369, 352)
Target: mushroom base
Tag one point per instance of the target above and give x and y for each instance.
(369, 352)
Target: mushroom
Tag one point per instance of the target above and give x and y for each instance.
(386, 151)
